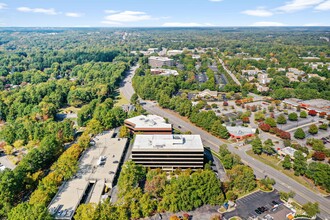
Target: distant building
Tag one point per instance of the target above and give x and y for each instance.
(160, 61)
(150, 124)
(254, 58)
(164, 72)
(168, 152)
(251, 72)
(262, 88)
(263, 78)
(174, 52)
(208, 93)
(240, 133)
(292, 77)
(296, 71)
(316, 76)
(152, 50)
(196, 56)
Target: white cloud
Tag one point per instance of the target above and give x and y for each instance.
(110, 11)
(215, 0)
(111, 22)
(314, 24)
(323, 6)
(189, 24)
(73, 14)
(297, 5)
(126, 16)
(3, 6)
(47, 11)
(259, 12)
(267, 23)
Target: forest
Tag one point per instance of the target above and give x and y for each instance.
(39, 76)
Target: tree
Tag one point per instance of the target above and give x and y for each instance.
(267, 183)
(124, 132)
(94, 127)
(293, 116)
(313, 129)
(287, 162)
(322, 114)
(230, 195)
(18, 144)
(311, 209)
(8, 149)
(134, 98)
(227, 161)
(299, 163)
(312, 112)
(84, 140)
(268, 147)
(323, 126)
(174, 217)
(299, 133)
(242, 178)
(219, 130)
(271, 122)
(303, 114)
(264, 127)
(86, 211)
(30, 212)
(318, 155)
(281, 119)
(147, 204)
(259, 116)
(285, 196)
(257, 146)
(285, 135)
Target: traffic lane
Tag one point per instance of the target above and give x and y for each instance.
(303, 195)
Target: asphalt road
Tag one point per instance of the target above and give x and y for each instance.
(283, 183)
(229, 72)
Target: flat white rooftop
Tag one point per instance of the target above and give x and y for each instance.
(168, 142)
(90, 170)
(149, 121)
(160, 58)
(240, 130)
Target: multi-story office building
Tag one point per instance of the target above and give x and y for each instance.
(168, 152)
(158, 62)
(148, 124)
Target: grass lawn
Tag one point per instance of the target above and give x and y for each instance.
(121, 100)
(273, 162)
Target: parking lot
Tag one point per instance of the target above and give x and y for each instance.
(247, 205)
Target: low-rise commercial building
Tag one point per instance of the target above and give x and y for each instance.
(98, 168)
(164, 72)
(174, 52)
(208, 93)
(157, 62)
(240, 132)
(319, 105)
(288, 151)
(168, 152)
(148, 124)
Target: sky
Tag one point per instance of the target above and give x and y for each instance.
(163, 13)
